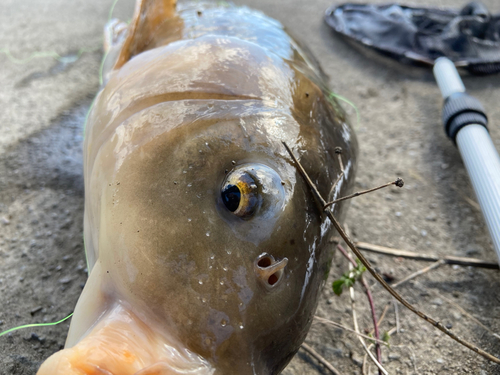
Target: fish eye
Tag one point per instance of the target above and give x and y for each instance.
(240, 194)
(251, 190)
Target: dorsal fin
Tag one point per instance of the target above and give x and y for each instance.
(148, 16)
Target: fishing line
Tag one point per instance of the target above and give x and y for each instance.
(110, 14)
(65, 60)
(35, 325)
(101, 67)
(345, 100)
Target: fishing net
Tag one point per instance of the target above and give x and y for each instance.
(470, 37)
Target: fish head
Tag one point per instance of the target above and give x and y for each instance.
(211, 231)
(197, 220)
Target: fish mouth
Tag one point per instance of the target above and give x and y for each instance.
(122, 344)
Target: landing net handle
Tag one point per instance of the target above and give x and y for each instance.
(465, 123)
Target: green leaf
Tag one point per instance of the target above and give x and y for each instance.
(337, 286)
(348, 279)
(386, 337)
(349, 282)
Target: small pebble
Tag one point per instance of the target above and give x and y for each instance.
(437, 301)
(431, 217)
(358, 361)
(472, 251)
(33, 336)
(393, 357)
(65, 280)
(35, 310)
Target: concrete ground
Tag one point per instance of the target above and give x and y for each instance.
(42, 267)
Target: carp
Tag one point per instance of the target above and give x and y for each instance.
(206, 250)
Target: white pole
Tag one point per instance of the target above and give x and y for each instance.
(478, 153)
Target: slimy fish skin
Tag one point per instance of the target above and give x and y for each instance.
(206, 250)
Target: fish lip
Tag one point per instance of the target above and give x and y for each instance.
(123, 342)
(159, 366)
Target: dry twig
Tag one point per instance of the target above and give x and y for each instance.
(370, 301)
(390, 332)
(462, 261)
(369, 267)
(419, 272)
(338, 151)
(383, 314)
(459, 308)
(363, 368)
(338, 325)
(320, 358)
(396, 313)
(356, 328)
(398, 182)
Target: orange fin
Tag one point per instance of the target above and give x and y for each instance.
(149, 15)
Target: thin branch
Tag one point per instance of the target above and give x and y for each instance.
(369, 267)
(335, 324)
(390, 332)
(413, 358)
(463, 261)
(459, 308)
(420, 272)
(396, 313)
(363, 368)
(374, 318)
(370, 301)
(383, 314)
(399, 182)
(338, 151)
(473, 203)
(320, 358)
(356, 328)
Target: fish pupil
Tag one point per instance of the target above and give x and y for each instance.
(231, 197)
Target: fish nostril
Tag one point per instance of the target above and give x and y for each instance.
(268, 270)
(265, 262)
(273, 279)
